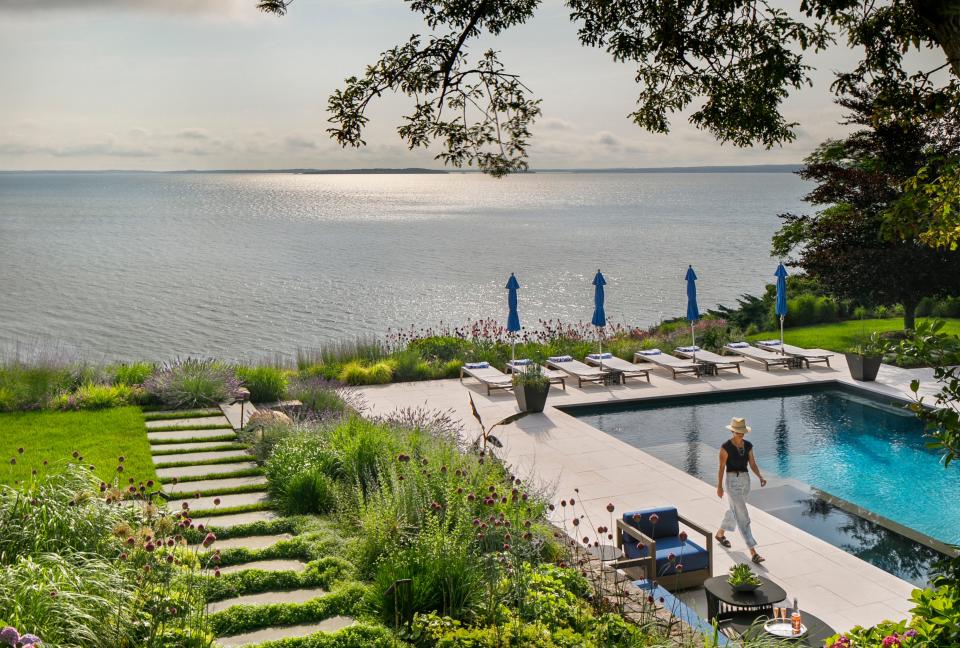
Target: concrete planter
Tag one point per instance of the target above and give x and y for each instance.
(863, 368)
(531, 398)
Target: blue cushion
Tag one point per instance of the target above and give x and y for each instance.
(769, 342)
(679, 609)
(521, 362)
(688, 349)
(667, 526)
(738, 345)
(600, 356)
(477, 365)
(692, 556)
(651, 352)
(563, 358)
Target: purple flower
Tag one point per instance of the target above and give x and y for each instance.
(891, 640)
(30, 640)
(910, 633)
(9, 636)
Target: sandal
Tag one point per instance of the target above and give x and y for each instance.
(722, 540)
(757, 558)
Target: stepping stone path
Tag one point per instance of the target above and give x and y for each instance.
(191, 446)
(268, 634)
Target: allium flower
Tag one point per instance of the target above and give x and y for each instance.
(610, 507)
(910, 633)
(30, 640)
(654, 518)
(683, 536)
(9, 636)
(216, 501)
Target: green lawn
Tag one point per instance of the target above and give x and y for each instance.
(842, 335)
(99, 436)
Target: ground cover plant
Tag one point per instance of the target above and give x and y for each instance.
(48, 439)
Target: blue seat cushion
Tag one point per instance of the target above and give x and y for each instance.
(678, 609)
(668, 525)
(692, 556)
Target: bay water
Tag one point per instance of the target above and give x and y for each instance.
(124, 266)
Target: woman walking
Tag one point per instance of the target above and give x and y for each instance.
(736, 455)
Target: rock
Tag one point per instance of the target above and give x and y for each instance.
(264, 418)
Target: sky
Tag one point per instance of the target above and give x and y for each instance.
(215, 84)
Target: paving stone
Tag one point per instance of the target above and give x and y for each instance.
(267, 598)
(226, 501)
(190, 434)
(213, 484)
(211, 469)
(189, 422)
(205, 410)
(232, 413)
(248, 542)
(187, 447)
(328, 625)
(197, 457)
(267, 565)
(234, 519)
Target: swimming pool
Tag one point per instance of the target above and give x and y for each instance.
(850, 468)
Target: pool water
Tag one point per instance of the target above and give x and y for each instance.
(867, 452)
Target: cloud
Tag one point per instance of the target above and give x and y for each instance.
(606, 138)
(192, 134)
(153, 6)
(295, 141)
(555, 124)
(96, 149)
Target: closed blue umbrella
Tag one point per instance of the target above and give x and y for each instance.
(781, 308)
(513, 317)
(599, 317)
(693, 312)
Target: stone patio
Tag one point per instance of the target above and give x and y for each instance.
(568, 455)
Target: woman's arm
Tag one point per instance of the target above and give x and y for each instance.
(756, 470)
(723, 467)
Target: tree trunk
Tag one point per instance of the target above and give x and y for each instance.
(909, 315)
(942, 18)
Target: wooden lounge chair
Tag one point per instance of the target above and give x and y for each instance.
(619, 365)
(555, 377)
(491, 377)
(768, 358)
(674, 364)
(806, 356)
(576, 369)
(716, 362)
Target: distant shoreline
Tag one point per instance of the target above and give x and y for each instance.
(749, 168)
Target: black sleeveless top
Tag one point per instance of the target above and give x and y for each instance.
(737, 458)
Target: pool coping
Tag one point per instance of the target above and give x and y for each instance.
(560, 452)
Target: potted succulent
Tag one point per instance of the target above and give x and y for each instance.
(742, 578)
(530, 387)
(864, 359)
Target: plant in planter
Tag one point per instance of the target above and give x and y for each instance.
(530, 386)
(742, 578)
(864, 359)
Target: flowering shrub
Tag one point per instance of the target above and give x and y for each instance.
(9, 636)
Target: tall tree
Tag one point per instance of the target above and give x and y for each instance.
(732, 61)
(844, 246)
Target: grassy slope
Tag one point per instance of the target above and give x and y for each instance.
(842, 335)
(99, 436)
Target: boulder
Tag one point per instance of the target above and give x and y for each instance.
(264, 418)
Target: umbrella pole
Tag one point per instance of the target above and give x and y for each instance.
(782, 351)
(513, 348)
(693, 338)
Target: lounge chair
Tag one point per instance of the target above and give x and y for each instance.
(619, 365)
(806, 356)
(657, 547)
(768, 358)
(555, 377)
(491, 377)
(716, 362)
(674, 364)
(576, 369)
